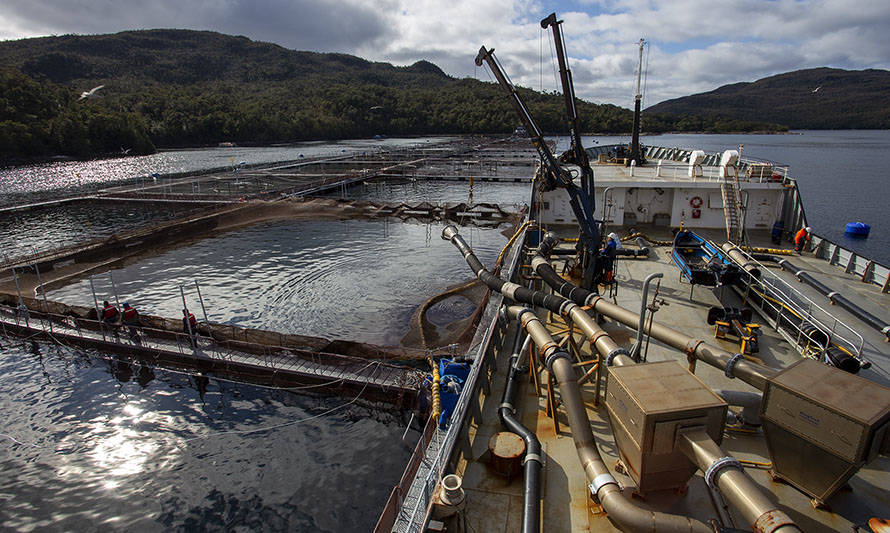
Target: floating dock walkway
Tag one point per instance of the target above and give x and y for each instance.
(274, 365)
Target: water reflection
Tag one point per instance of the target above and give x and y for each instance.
(102, 453)
(33, 182)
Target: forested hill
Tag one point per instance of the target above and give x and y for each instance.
(819, 98)
(174, 88)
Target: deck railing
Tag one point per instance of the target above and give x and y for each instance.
(414, 505)
(780, 299)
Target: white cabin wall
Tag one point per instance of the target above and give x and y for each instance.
(645, 203)
(711, 210)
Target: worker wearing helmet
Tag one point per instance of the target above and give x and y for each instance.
(607, 257)
(801, 239)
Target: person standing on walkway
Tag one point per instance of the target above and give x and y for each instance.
(110, 317)
(190, 327)
(801, 239)
(131, 320)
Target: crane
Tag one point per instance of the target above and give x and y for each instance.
(553, 175)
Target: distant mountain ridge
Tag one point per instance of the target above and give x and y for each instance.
(185, 57)
(184, 88)
(818, 98)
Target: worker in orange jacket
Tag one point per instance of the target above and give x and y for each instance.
(801, 239)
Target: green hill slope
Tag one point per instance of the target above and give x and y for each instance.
(845, 99)
(175, 88)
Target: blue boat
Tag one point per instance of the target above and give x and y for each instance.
(700, 262)
(857, 229)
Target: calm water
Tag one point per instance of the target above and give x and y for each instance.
(38, 182)
(102, 446)
(23, 232)
(357, 280)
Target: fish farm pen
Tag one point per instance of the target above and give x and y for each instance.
(55, 293)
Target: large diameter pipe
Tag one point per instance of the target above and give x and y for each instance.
(621, 510)
(834, 297)
(733, 365)
(736, 254)
(554, 302)
(727, 474)
(531, 507)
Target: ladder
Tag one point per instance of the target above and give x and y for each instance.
(732, 208)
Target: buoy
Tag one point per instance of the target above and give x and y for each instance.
(858, 229)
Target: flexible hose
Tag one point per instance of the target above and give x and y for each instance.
(531, 494)
(834, 297)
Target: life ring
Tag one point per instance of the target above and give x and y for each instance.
(696, 202)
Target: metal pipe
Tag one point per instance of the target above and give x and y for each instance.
(635, 349)
(201, 299)
(748, 401)
(727, 474)
(733, 365)
(553, 302)
(736, 254)
(603, 486)
(531, 507)
(835, 297)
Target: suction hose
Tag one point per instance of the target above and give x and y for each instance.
(733, 365)
(620, 509)
(531, 507)
(598, 338)
(834, 296)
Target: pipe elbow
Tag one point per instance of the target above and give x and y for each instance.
(449, 232)
(629, 517)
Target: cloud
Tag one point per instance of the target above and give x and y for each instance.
(696, 45)
(332, 25)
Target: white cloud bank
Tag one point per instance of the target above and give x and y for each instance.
(696, 45)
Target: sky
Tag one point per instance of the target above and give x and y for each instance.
(692, 46)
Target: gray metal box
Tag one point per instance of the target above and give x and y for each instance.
(822, 424)
(647, 405)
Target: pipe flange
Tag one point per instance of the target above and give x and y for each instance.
(717, 466)
(599, 335)
(615, 353)
(771, 521)
(691, 347)
(507, 405)
(601, 481)
(567, 307)
(554, 356)
(729, 371)
(532, 457)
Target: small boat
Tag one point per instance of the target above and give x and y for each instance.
(700, 262)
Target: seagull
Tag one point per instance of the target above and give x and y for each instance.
(91, 93)
(817, 89)
(376, 107)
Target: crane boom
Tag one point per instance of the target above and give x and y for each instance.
(553, 175)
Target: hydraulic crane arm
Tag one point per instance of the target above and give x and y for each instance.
(554, 175)
(579, 155)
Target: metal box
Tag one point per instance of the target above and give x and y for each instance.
(647, 405)
(822, 424)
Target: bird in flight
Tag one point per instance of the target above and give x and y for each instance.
(92, 93)
(817, 89)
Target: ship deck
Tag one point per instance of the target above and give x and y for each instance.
(494, 503)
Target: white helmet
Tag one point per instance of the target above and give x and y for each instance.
(613, 236)
(808, 229)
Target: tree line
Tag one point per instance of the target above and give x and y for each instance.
(179, 88)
